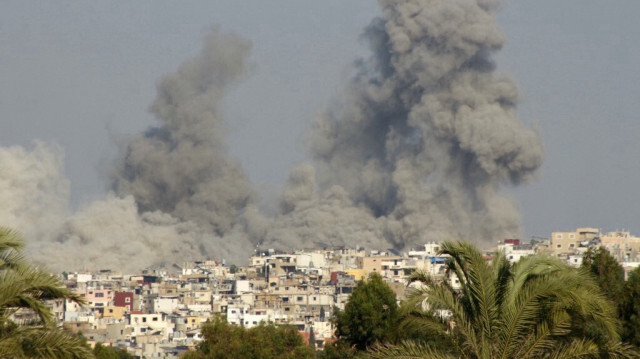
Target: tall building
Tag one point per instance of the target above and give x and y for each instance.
(566, 243)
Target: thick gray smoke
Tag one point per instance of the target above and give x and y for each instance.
(419, 148)
(427, 132)
(177, 194)
(182, 167)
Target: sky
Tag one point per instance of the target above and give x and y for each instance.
(83, 75)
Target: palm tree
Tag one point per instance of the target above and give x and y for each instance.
(25, 287)
(536, 308)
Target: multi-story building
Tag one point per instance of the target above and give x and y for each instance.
(566, 243)
(124, 299)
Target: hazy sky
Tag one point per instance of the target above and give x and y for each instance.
(83, 74)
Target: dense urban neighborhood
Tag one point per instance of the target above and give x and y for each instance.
(159, 312)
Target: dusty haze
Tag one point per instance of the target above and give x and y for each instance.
(417, 148)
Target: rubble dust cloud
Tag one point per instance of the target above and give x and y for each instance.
(428, 131)
(182, 167)
(418, 148)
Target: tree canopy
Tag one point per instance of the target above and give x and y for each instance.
(630, 311)
(370, 315)
(223, 340)
(625, 295)
(106, 352)
(608, 273)
(538, 307)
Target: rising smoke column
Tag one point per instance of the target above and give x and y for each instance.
(423, 140)
(182, 167)
(176, 196)
(427, 132)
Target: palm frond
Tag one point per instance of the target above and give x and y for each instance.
(538, 307)
(43, 342)
(407, 350)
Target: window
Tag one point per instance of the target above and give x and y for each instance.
(559, 246)
(144, 320)
(99, 295)
(127, 300)
(299, 299)
(559, 236)
(572, 245)
(155, 319)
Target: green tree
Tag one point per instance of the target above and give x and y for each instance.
(25, 287)
(369, 316)
(339, 350)
(106, 352)
(630, 310)
(608, 272)
(224, 340)
(535, 308)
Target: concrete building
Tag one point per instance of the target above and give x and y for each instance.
(566, 243)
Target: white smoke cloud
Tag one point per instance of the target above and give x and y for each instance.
(33, 190)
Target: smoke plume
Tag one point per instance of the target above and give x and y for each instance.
(427, 133)
(182, 167)
(423, 140)
(33, 190)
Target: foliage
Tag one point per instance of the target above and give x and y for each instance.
(630, 313)
(608, 273)
(106, 352)
(224, 340)
(536, 308)
(26, 288)
(233, 269)
(625, 295)
(339, 350)
(370, 315)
